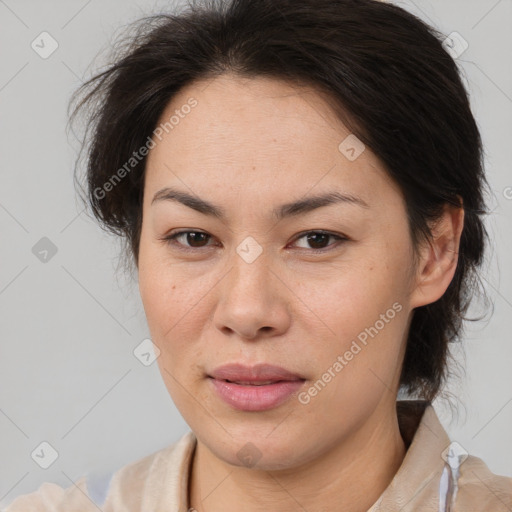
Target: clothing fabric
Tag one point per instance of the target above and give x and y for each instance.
(436, 475)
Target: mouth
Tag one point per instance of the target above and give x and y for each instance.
(260, 374)
(256, 383)
(254, 388)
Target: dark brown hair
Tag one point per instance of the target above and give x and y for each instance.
(387, 76)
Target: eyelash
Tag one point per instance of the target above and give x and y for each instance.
(171, 240)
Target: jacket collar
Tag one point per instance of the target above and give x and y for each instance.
(417, 481)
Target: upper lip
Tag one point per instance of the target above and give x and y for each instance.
(258, 373)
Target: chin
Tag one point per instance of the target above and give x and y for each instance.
(255, 448)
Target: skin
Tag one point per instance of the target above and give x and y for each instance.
(249, 146)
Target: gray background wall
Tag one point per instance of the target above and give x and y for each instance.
(68, 326)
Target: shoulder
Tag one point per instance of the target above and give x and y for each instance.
(126, 486)
(50, 497)
(480, 489)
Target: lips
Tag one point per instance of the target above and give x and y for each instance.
(254, 388)
(257, 375)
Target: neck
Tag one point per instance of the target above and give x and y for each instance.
(350, 477)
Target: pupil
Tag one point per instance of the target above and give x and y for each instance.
(194, 237)
(315, 235)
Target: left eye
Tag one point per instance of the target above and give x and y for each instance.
(319, 237)
(196, 239)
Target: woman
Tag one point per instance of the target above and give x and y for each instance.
(300, 186)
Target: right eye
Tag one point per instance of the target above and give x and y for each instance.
(194, 238)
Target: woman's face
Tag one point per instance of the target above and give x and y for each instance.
(254, 287)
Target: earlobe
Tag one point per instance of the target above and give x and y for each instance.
(439, 257)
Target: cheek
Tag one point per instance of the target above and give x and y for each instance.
(173, 311)
(364, 308)
(167, 294)
(354, 296)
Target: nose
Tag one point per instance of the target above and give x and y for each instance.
(253, 302)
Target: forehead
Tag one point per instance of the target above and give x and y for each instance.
(232, 132)
(231, 108)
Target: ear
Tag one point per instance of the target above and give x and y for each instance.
(438, 260)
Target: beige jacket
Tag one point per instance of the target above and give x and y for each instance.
(435, 476)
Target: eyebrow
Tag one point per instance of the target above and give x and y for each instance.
(294, 208)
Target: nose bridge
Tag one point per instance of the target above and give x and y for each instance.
(250, 266)
(250, 299)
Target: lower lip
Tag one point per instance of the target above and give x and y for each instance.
(255, 398)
